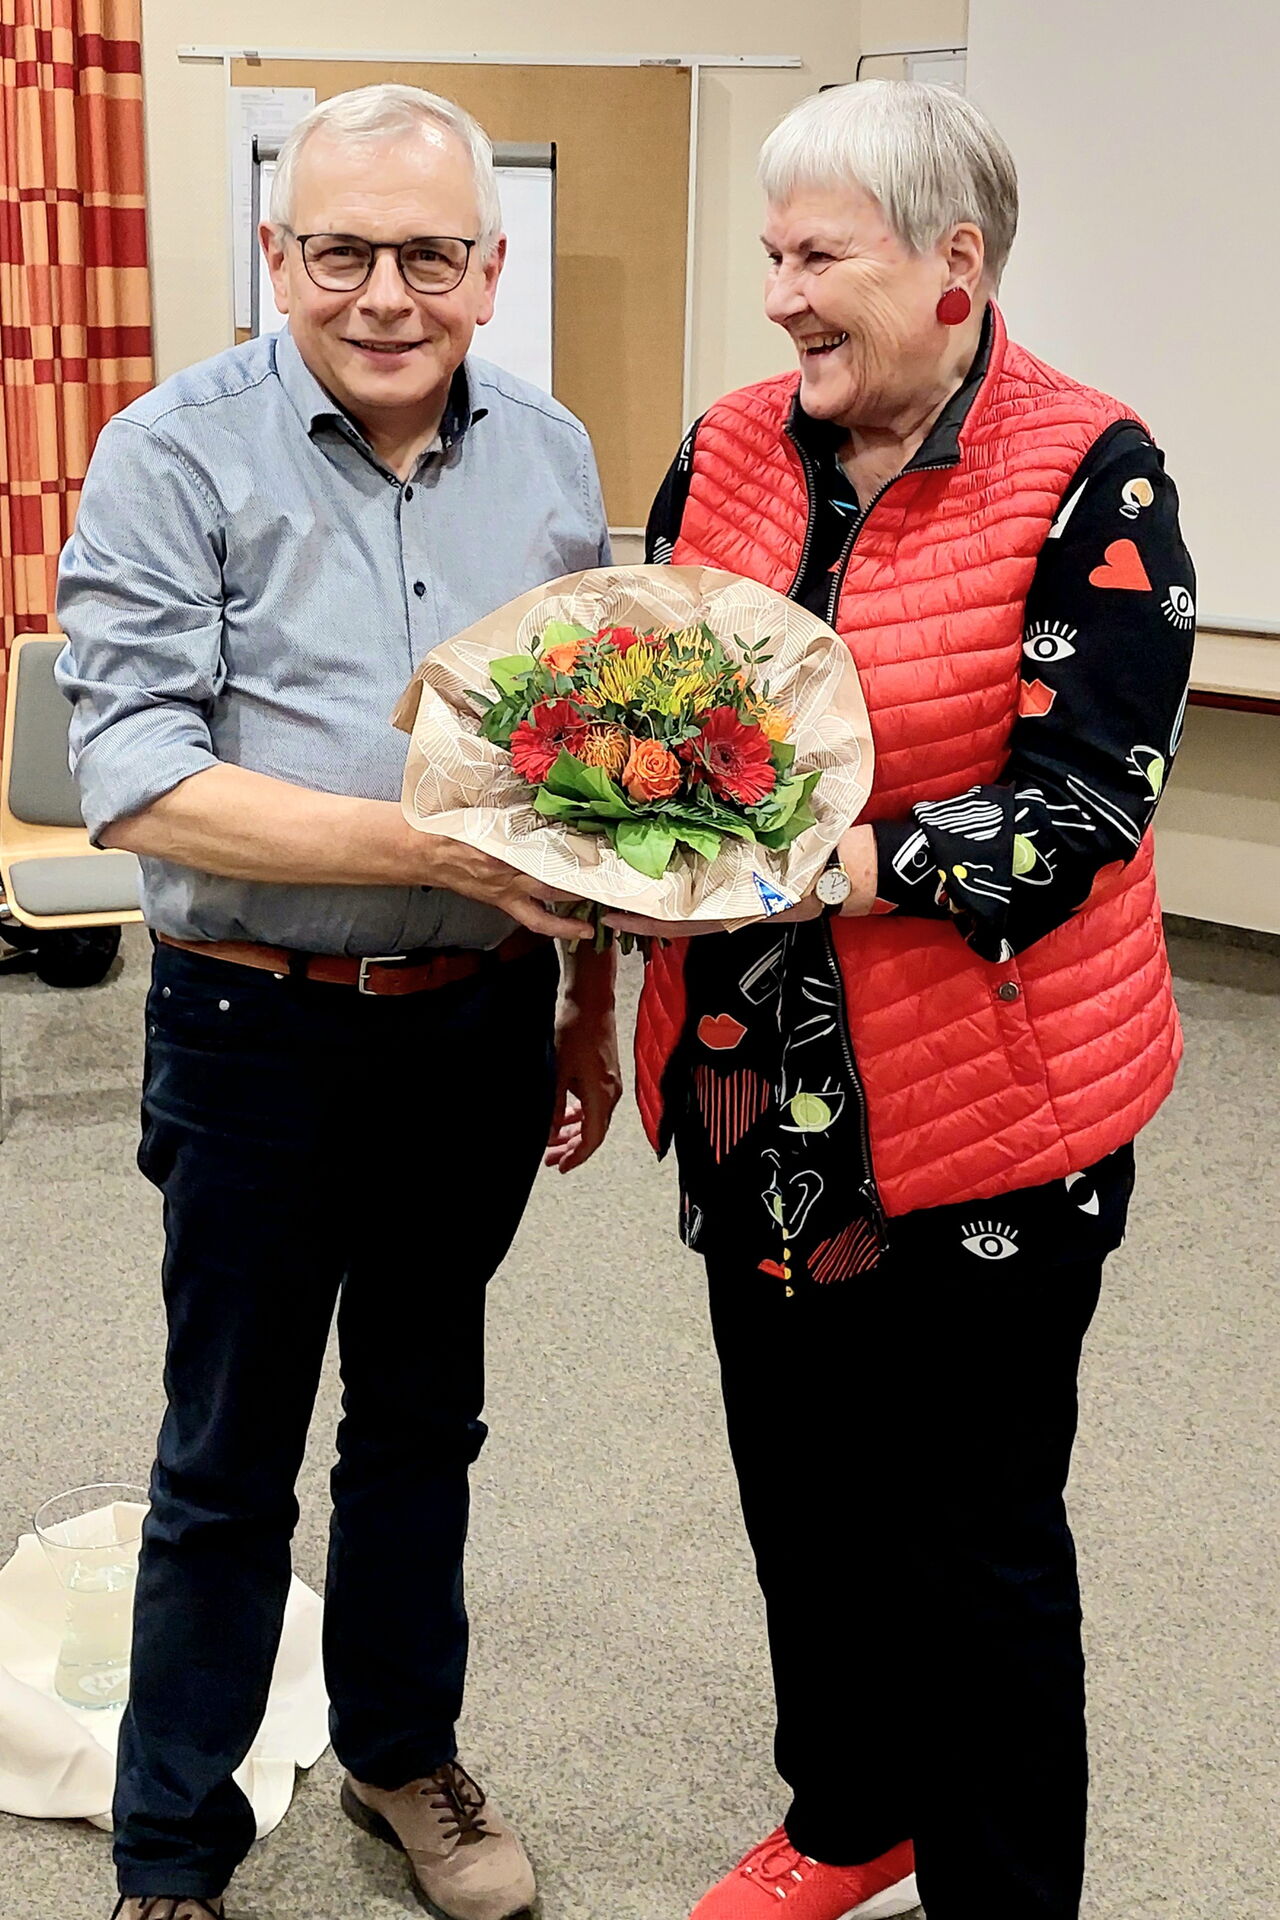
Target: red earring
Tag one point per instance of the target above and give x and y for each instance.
(954, 307)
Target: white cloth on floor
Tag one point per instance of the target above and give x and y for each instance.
(59, 1761)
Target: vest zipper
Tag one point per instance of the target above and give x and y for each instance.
(867, 1187)
(842, 564)
(811, 500)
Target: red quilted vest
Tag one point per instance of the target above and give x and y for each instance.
(970, 1091)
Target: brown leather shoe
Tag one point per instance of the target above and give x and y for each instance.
(166, 1906)
(467, 1862)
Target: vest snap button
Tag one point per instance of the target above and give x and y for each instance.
(1008, 990)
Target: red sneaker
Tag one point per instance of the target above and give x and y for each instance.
(774, 1871)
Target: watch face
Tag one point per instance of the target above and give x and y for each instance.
(833, 887)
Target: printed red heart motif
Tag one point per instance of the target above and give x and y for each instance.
(772, 1268)
(1122, 567)
(1035, 699)
(721, 1032)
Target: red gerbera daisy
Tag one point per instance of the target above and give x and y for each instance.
(536, 742)
(733, 758)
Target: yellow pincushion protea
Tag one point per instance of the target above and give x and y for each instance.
(672, 693)
(619, 675)
(607, 747)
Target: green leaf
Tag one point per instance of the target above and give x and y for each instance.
(780, 838)
(510, 672)
(706, 815)
(554, 806)
(646, 846)
(704, 841)
(577, 781)
(556, 632)
(782, 753)
(783, 801)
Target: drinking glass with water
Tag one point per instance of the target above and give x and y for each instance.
(91, 1537)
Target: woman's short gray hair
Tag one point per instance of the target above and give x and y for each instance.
(384, 111)
(927, 154)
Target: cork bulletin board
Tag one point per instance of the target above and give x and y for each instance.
(622, 150)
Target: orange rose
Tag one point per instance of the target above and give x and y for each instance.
(563, 658)
(652, 771)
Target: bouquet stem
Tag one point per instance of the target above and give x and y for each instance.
(604, 935)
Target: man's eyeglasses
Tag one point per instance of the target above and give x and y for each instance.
(342, 262)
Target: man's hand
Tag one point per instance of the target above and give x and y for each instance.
(588, 1077)
(463, 869)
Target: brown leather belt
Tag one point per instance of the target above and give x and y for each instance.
(378, 973)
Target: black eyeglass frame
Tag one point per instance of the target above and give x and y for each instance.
(385, 246)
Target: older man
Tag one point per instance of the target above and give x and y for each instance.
(351, 1049)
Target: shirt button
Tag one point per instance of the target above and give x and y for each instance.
(408, 493)
(1008, 990)
(419, 587)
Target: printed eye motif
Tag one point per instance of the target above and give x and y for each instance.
(1052, 640)
(1083, 1193)
(1179, 606)
(988, 1240)
(913, 860)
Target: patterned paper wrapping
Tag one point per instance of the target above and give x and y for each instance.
(460, 785)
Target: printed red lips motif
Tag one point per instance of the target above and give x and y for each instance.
(1121, 567)
(721, 1032)
(773, 1269)
(1035, 699)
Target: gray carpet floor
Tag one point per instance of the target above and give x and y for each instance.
(619, 1705)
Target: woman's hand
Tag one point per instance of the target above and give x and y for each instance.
(857, 857)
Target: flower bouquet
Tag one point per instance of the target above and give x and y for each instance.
(674, 742)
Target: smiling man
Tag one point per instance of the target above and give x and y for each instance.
(352, 1060)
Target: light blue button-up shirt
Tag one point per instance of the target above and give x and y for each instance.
(247, 582)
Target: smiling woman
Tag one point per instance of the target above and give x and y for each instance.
(922, 1082)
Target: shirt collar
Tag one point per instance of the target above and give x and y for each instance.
(942, 446)
(315, 406)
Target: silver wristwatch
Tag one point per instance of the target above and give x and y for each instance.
(833, 885)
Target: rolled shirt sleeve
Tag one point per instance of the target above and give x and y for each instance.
(140, 600)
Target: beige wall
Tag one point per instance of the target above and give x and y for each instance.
(187, 141)
(1219, 844)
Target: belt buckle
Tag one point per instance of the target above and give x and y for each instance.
(375, 960)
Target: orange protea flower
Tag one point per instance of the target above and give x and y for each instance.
(606, 747)
(773, 723)
(652, 771)
(562, 658)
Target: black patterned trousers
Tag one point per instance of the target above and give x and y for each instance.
(902, 1442)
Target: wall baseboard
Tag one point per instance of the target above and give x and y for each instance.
(1254, 938)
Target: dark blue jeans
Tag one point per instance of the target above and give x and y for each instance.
(316, 1147)
(902, 1442)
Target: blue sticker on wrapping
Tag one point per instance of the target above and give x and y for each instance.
(772, 899)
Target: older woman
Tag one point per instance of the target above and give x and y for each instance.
(904, 1109)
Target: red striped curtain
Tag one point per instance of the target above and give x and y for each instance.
(75, 304)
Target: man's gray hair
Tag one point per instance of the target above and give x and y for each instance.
(927, 154)
(383, 112)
